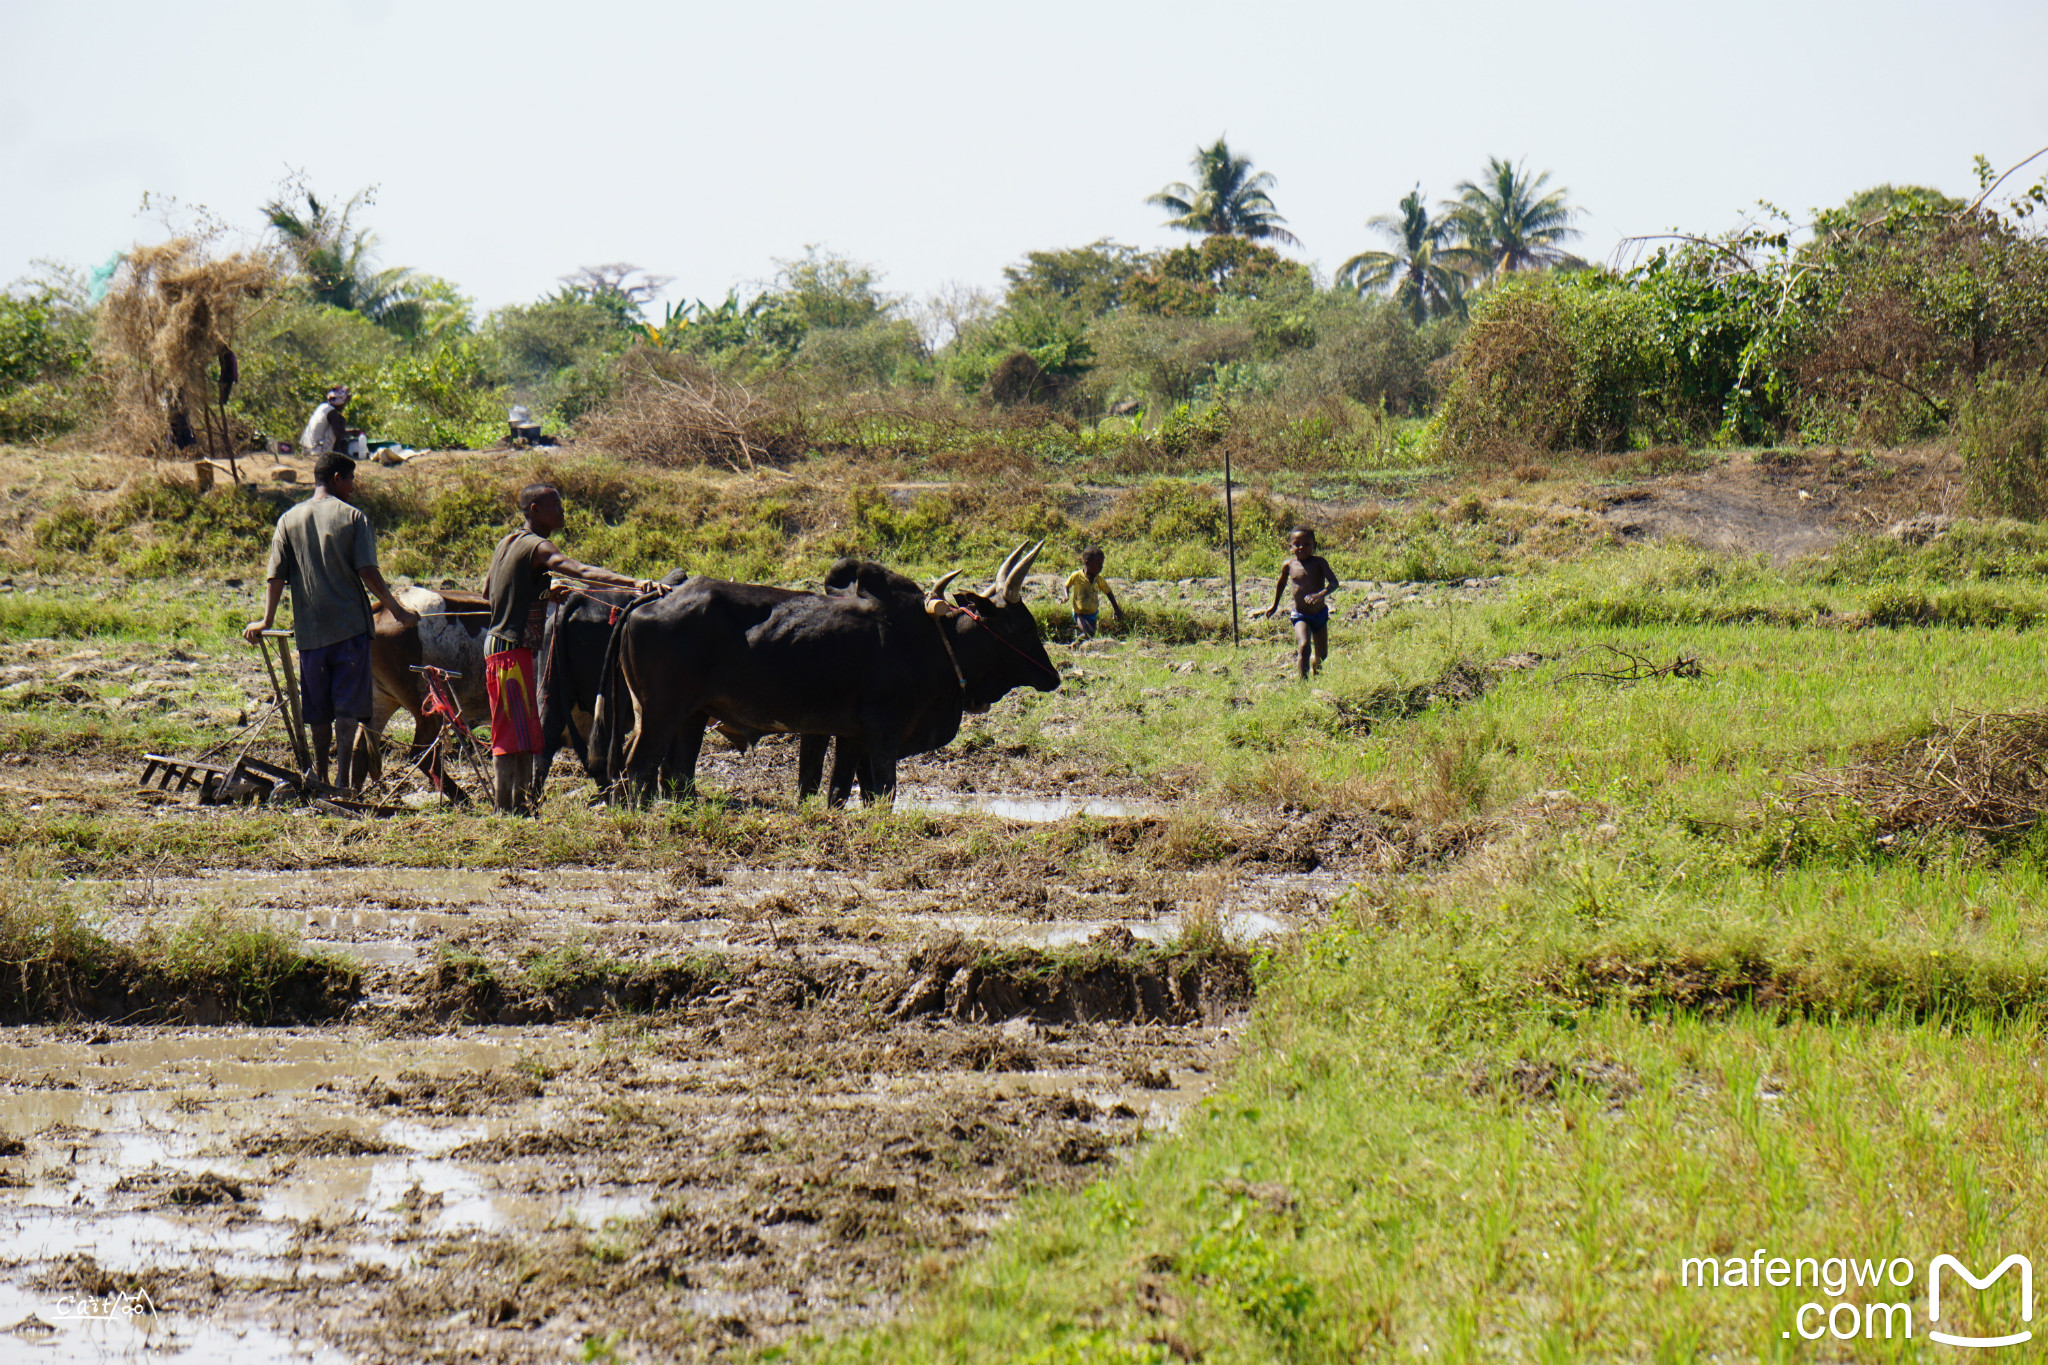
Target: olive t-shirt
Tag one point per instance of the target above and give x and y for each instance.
(517, 591)
(317, 549)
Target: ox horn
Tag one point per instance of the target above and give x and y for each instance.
(940, 585)
(1010, 581)
(997, 584)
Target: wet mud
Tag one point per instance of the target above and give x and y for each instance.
(696, 1110)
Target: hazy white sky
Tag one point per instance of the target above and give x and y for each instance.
(514, 141)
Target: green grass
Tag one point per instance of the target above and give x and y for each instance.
(57, 961)
(100, 615)
(1488, 1111)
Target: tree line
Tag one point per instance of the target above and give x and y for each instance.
(1890, 317)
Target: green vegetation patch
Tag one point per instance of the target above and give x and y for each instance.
(55, 964)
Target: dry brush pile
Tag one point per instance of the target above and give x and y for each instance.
(1982, 775)
(673, 412)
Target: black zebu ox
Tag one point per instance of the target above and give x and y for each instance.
(575, 652)
(885, 666)
(572, 671)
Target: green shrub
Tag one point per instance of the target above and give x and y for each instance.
(293, 351)
(2002, 432)
(439, 399)
(45, 362)
(1553, 364)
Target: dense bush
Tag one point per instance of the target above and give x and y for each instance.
(1555, 363)
(45, 365)
(2003, 433)
(292, 350)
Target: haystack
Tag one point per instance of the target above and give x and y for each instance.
(168, 329)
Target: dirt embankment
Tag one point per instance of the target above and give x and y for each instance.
(1784, 503)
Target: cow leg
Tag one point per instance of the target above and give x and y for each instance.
(846, 760)
(878, 767)
(679, 768)
(657, 755)
(810, 765)
(370, 737)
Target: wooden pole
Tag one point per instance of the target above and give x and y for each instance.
(288, 694)
(1230, 522)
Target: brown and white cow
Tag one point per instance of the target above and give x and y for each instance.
(450, 635)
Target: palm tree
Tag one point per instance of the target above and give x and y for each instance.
(337, 261)
(1225, 200)
(1423, 273)
(1507, 223)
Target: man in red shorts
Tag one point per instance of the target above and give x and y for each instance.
(325, 551)
(517, 583)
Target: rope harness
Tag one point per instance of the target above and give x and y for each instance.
(971, 614)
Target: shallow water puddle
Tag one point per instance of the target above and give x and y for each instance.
(1031, 809)
(71, 1329)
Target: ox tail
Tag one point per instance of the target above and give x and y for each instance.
(556, 689)
(612, 714)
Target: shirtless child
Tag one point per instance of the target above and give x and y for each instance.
(1313, 581)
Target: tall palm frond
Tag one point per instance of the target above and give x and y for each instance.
(338, 261)
(1506, 223)
(1424, 272)
(1227, 199)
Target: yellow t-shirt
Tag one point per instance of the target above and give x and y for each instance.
(1081, 588)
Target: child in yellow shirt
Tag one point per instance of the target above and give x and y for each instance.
(1085, 589)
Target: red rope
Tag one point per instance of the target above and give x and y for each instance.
(975, 616)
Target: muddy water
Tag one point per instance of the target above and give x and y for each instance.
(291, 1165)
(397, 917)
(1030, 809)
(76, 1329)
(777, 1153)
(779, 1148)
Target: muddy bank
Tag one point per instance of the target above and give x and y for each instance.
(783, 1148)
(116, 982)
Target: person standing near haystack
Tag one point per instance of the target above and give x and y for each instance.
(325, 550)
(517, 584)
(327, 428)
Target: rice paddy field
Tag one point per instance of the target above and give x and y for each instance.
(1628, 947)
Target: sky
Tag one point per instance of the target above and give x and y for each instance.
(511, 143)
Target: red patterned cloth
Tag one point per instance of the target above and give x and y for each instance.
(515, 711)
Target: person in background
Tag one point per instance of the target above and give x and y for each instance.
(1313, 580)
(1085, 588)
(325, 551)
(517, 584)
(327, 428)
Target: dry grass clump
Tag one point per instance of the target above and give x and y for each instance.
(671, 411)
(1980, 774)
(170, 318)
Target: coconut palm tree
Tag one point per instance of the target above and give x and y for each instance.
(337, 260)
(1225, 200)
(1506, 223)
(1424, 272)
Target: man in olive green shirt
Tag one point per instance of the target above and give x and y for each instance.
(518, 584)
(326, 553)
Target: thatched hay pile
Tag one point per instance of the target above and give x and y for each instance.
(1985, 775)
(673, 412)
(171, 314)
